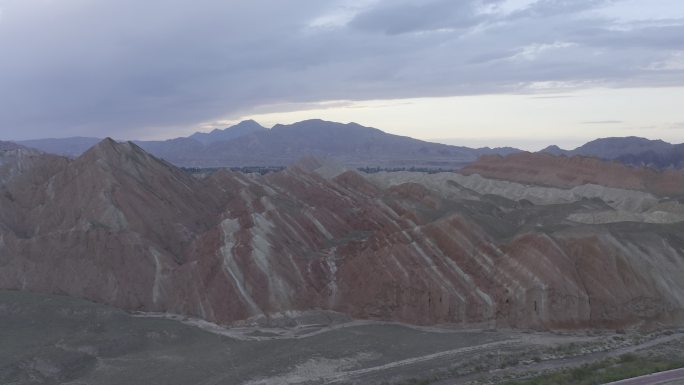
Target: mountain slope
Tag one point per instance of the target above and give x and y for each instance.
(122, 227)
(629, 150)
(172, 149)
(11, 152)
(241, 129)
(612, 148)
(178, 147)
(663, 159)
(351, 144)
(104, 225)
(7, 146)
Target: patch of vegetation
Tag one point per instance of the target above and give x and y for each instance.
(245, 170)
(625, 366)
(415, 381)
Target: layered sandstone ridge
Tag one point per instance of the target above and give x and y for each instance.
(622, 205)
(119, 226)
(566, 172)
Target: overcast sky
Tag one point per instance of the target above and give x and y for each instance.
(521, 72)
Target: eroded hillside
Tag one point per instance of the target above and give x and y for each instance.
(121, 227)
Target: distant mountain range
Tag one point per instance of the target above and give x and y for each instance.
(71, 147)
(630, 150)
(250, 144)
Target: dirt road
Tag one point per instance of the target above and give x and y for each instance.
(576, 361)
(670, 377)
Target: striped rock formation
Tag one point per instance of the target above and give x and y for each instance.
(121, 227)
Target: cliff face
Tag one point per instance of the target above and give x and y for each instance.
(118, 226)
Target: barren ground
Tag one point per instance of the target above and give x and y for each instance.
(52, 339)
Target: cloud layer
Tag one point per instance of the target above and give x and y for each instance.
(78, 67)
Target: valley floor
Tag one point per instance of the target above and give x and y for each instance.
(52, 339)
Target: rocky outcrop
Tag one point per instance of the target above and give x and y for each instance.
(122, 227)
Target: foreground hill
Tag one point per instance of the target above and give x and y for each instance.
(9, 151)
(249, 144)
(7, 146)
(121, 227)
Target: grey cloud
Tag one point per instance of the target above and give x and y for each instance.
(545, 8)
(489, 57)
(664, 37)
(399, 17)
(553, 97)
(125, 67)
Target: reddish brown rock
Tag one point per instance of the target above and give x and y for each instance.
(561, 171)
(121, 227)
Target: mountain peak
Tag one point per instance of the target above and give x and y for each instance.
(249, 122)
(614, 147)
(318, 125)
(243, 128)
(112, 160)
(107, 142)
(309, 163)
(323, 166)
(107, 145)
(629, 141)
(110, 151)
(554, 150)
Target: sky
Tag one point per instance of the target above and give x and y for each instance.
(526, 73)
